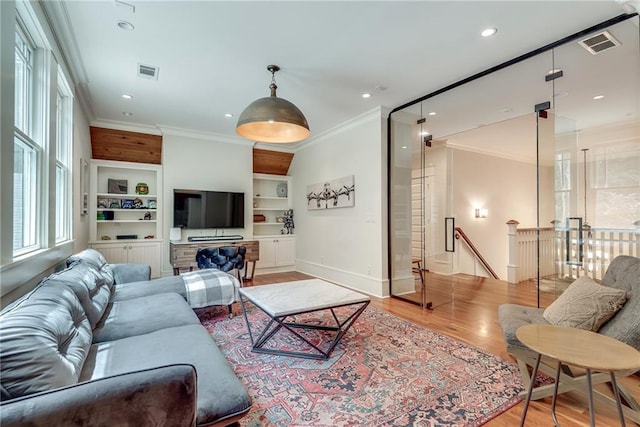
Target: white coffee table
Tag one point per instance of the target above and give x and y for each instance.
(282, 301)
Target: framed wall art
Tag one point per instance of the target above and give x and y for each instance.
(331, 194)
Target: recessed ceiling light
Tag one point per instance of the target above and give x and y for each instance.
(598, 97)
(424, 132)
(489, 32)
(506, 110)
(228, 115)
(433, 113)
(126, 96)
(127, 113)
(366, 95)
(404, 147)
(125, 25)
(560, 94)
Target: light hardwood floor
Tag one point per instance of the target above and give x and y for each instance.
(466, 307)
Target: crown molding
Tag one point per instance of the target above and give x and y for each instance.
(129, 127)
(57, 16)
(208, 136)
(375, 113)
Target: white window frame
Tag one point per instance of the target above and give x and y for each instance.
(28, 216)
(64, 155)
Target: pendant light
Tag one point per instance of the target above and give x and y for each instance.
(272, 119)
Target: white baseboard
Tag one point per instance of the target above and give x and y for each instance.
(358, 282)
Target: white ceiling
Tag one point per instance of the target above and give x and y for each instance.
(212, 56)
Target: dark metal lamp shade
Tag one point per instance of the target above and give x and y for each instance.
(273, 119)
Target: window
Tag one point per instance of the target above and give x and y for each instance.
(64, 122)
(26, 151)
(617, 184)
(23, 82)
(563, 185)
(42, 141)
(24, 196)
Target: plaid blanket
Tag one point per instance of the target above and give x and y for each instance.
(210, 287)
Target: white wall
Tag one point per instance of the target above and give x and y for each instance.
(81, 150)
(506, 188)
(201, 162)
(345, 245)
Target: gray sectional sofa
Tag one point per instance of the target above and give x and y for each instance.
(100, 344)
(623, 273)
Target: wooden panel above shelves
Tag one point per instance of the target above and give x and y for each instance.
(124, 146)
(271, 162)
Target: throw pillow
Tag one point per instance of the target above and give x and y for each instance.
(585, 304)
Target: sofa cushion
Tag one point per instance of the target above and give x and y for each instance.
(124, 291)
(513, 316)
(92, 290)
(45, 338)
(585, 304)
(96, 260)
(142, 315)
(624, 273)
(220, 393)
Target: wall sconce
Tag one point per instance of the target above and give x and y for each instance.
(481, 213)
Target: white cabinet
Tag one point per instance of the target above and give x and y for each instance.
(134, 252)
(271, 198)
(125, 212)
(277, 253)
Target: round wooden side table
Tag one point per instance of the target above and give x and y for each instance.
(584, 349)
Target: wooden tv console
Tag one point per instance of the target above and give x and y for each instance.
(183, 254)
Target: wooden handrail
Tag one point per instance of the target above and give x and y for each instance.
(485, 264)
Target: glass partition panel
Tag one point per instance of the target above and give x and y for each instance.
(463, 164)
(537, 165)
(597, 136)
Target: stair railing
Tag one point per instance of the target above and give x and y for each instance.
(476, 253)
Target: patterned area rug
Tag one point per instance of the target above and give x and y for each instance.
(385, 372)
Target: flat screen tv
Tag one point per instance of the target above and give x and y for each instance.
(208, 209)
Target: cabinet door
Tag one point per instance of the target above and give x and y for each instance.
(115, 253)
(146, 253)
(267, 254)
(286, 252)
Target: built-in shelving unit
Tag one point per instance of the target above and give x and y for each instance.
(271, 198)
(126, 224)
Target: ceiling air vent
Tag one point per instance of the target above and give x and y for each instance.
(148, 71)
(598, 43)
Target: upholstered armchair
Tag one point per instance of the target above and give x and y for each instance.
(224, 258)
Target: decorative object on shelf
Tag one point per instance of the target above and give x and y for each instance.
(288, 221)
(127, 204)
(279, 219)
(255, 204)
(114, 203)
(282, 189)
(142, 188)
(127, 236)
(259, 218)
(108, 215)
(147, 216)
(272, 119)
(105, 238)
(151, 204)
(102, 203)
(100, 216)
(137, 203)
(117, 186)
(149, 236)
(337, 193)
